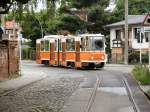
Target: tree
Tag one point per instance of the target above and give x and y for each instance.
(67, 23)
(88, 3)
(136, 7)
(31, 29)
(6, 4)
(97, 19)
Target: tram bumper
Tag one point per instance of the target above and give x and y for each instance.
(93, 64)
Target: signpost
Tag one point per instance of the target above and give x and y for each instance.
(140, 30)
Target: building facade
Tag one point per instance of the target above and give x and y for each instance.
(138, 39)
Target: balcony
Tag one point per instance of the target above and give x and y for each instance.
(117, 43)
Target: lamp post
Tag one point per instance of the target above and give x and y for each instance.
(126, 33)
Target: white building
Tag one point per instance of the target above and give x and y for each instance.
(117, 37)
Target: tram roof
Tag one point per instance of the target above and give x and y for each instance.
(52, 36)
(92, 35)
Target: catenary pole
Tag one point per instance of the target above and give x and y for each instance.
(126, 33)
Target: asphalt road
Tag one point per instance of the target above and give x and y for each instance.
(60, 85)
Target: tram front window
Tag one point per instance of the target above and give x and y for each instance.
(97, 44)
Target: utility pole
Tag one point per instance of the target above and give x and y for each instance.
(126, 33)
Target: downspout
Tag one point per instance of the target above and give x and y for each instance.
(8, 57)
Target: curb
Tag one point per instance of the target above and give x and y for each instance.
(140, 100)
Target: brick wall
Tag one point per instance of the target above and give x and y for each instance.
(8, 58)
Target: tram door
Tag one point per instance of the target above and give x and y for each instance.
(52, 53)
(63, 52)
(78, 54)
(58, 52)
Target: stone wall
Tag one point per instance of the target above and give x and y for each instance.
(8, 58)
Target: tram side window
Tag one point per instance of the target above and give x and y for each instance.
(60, 47)
(89, 44)
(70, 44)
(47, 45)
(42, 45)
(56, 45)
(83, 44)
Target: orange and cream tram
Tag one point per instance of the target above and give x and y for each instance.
(82, 51)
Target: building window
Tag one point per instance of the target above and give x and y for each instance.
(146, 36)
(118, 34)
(137, 35)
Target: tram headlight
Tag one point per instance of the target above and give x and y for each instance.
(92, 58)
(102, 57)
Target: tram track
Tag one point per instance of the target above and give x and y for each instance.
(130, 95)
(125, 85)
(93, 95)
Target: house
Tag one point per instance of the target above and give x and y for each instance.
(135, 33)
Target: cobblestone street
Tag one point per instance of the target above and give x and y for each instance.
(47, 95)
(44, 96)
(54, 89)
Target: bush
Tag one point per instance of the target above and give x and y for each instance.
(142, 74)
(145, 58)
(134, 57)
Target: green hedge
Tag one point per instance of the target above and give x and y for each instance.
(28, 54)
(142, 74)
(134, 57)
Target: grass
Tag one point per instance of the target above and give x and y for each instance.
(142, 74)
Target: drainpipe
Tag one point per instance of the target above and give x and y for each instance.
(8, 57)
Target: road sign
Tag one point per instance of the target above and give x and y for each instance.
(146, 21)
(146, 24)
(146, 29)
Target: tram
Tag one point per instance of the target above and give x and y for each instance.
(83, 51)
